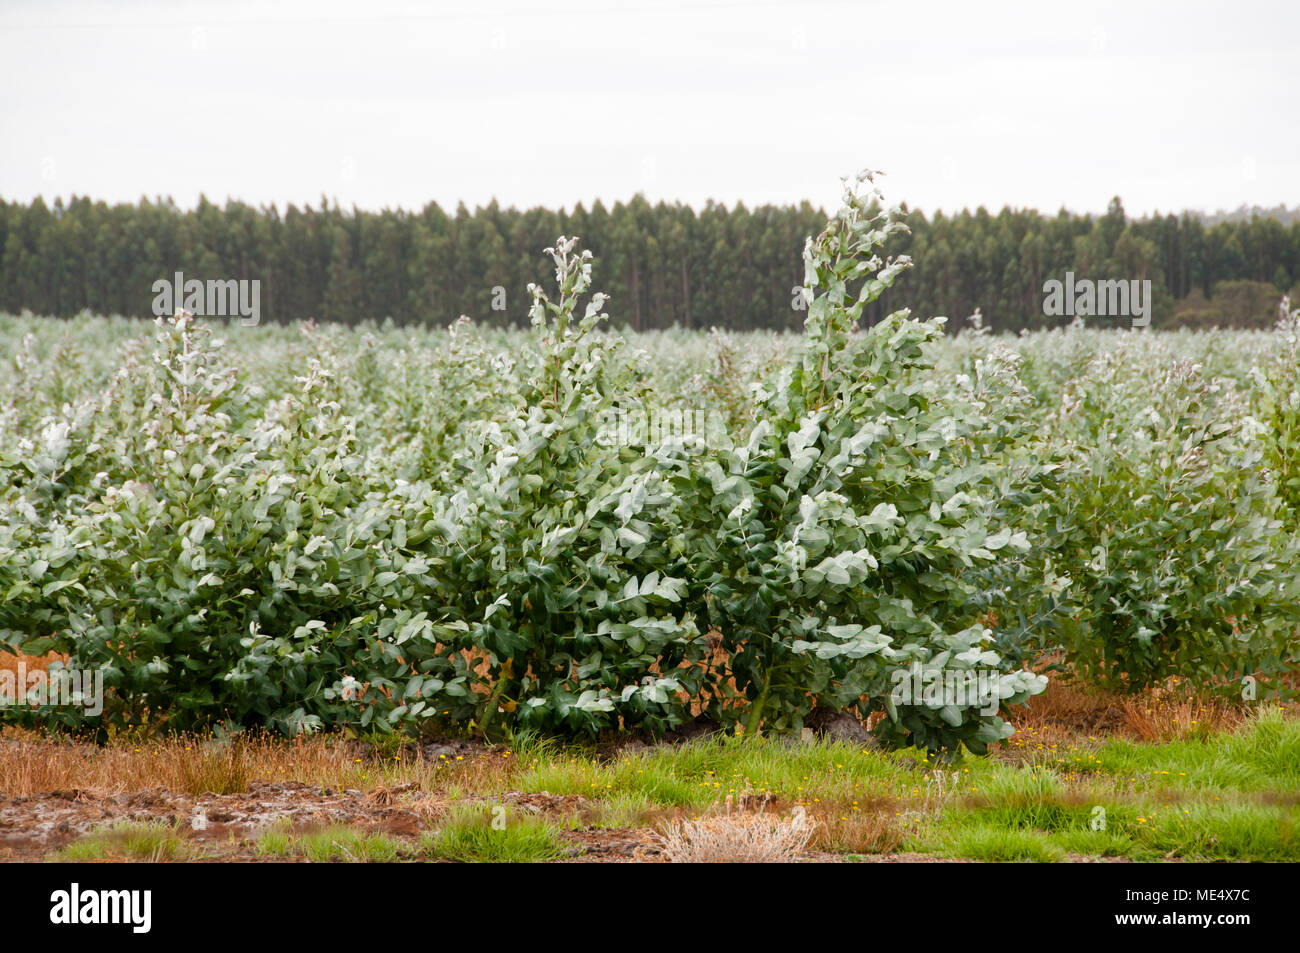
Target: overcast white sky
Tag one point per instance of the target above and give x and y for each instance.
(381, 103)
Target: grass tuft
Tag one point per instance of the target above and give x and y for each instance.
(337, 843)
(151, 843)
(744, 837)
(479, 834)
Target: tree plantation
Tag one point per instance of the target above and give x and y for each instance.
(385, 529)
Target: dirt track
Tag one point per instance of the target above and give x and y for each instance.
(223, 826)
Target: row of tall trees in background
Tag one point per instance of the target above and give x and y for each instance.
(663, 264)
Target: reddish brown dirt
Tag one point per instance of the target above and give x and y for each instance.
(31, 827)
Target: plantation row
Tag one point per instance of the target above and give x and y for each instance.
(383, 529)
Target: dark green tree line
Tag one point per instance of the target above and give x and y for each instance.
(665, 264)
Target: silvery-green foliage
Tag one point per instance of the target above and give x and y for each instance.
(1166, 524)
(1276, 404)
(228, 548)
(558, 540)
(218, 564)
(861, 498)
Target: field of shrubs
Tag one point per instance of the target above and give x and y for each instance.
(580, 533)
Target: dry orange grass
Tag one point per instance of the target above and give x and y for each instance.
(1069, 711)
(1165, 714)
(31, 764)
(842, 830)
(10, 662)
